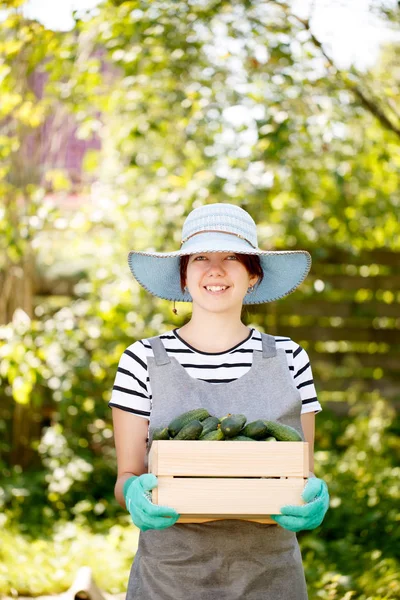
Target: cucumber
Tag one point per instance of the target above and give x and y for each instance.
(240, 438)
(231, 426)
(255, 430)
(161, 433)
(213, 436)
(225, 417)
(178, 423)
(191, 431)
(209, 424)
(282, 433)
(269, 439)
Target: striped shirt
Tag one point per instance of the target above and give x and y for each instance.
(132, 388)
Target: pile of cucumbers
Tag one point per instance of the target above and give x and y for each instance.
(198, 424)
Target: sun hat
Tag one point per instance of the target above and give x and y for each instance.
(220, 227)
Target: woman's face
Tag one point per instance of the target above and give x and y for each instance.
(218, 281)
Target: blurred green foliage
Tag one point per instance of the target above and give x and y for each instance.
(48, 565)
(357, 547)
(194, 103)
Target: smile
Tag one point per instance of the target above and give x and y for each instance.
(216, 289)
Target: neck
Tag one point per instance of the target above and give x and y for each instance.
(216, 333)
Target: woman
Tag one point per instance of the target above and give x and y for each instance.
(215, 362)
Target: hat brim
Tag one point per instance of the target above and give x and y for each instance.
(284, 271)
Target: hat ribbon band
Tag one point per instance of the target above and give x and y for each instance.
(218, 231)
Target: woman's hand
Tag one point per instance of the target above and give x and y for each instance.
(146, 515)
(310, 515)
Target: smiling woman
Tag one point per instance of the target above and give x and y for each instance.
(251, 262)
(217, 283)
(215, 362)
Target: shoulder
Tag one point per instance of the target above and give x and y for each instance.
(137, 352)
(139, 348)
(142, 348)
(289, 345)
(282, 342)
(295, 353)
(285, 342)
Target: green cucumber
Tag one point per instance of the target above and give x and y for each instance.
(209, 424)
(282, 433)
(255, 430)
(199, 414)
(269, 439)
(233, 425)
(161, 433)
(191, 431)
(240, 438)
(213, 436)
(225, 417)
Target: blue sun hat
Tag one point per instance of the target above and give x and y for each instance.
(220, 228)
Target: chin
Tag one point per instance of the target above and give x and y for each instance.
(217, 308)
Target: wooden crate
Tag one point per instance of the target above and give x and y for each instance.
(205, 480)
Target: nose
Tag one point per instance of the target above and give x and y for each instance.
(216, 266)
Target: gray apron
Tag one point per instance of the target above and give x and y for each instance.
(228, 559)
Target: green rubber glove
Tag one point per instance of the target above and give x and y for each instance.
(146, 515)
(310, 515)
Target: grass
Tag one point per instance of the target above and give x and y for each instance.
(49, 565)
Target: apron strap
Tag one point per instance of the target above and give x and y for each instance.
(162, 358)
(268, 345)
(160, 353)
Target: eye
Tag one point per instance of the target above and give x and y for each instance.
(199, 258)
(232, 256)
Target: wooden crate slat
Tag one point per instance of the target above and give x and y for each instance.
(229, 459)
(228, 496)
(205, 518)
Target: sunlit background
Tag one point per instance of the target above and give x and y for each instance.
(116, 121)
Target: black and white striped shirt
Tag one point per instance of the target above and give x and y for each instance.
(132, 388)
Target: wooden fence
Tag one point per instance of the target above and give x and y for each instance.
(346, 315)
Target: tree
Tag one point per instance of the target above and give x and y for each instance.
(256, 119)
(24, 47)
(194, 102)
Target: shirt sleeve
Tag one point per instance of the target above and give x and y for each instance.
(130, 391)
(304, 381)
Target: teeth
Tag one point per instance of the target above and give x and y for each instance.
(215, 288)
